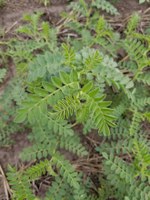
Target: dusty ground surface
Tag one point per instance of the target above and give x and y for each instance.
(12, 12)
(11, 154)
(10, 17)
(127, 7)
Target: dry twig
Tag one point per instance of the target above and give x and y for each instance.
(7, 189)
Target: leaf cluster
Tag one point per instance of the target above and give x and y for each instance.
(74, 83)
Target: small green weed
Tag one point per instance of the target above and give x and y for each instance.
(2, 3)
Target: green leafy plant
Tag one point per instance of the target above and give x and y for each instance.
(2, 3)
(83, 7)
(106, 6)
(73, 83)
(40, 37)
(143, 1)
(45, 2)
(2, 74)
(13, 93)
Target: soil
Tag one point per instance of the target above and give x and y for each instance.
(10, 154)
(13, 10)
(127, 7)
(10, 17)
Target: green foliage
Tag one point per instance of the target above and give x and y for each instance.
(14, 92)
(2, 74)
(45, 2)
(40, 36)
(58, 190)
(21, 181)
(2, 3)
(143, 1)
(126, 159)
(20, 185)
(119, 167)
(67, 179)
(145, 78)
(135, 125)
(137, 52)
(106, 6)
(64, 87)
(43, 64)
(142, 158)
(38, 170)
(133, 23)
(67, 171)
